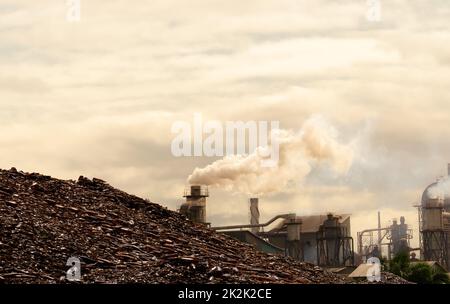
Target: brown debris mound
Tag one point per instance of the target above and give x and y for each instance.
(121, 238)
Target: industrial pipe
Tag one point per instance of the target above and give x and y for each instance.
(284, 216)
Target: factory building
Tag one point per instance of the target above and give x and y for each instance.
(324, 240)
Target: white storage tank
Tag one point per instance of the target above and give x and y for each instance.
(432, 214)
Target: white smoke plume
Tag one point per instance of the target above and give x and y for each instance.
(441, 189)
(316, 142)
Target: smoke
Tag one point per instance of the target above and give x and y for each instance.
(315, 143)
(441, 189)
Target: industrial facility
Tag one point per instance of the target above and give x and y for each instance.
(434, 230)
(325, 239)
(388, 241)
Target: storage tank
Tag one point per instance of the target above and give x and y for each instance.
(332, 234)
(435, 225)
(432, 214)
(439, 189)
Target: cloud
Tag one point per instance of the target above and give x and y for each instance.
(98, 97)
(23, 85)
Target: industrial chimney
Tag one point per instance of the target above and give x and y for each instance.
(254, 214)
(195, 206)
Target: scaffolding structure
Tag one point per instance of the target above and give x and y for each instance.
(368, 247)
(435, 246)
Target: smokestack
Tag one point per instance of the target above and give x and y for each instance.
(254, 213)
(195, 206)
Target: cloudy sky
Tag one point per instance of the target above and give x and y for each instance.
(98, 97)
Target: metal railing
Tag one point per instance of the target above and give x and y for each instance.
(202, 191)
(283, 216)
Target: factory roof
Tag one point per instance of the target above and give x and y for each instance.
(311, 223)
(251, 238)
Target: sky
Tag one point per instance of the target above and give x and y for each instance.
(98, 97)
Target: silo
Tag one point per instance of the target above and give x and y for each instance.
(435, 242)
(334, 244)
(328, 242)
(435, 221)
(432, 214)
